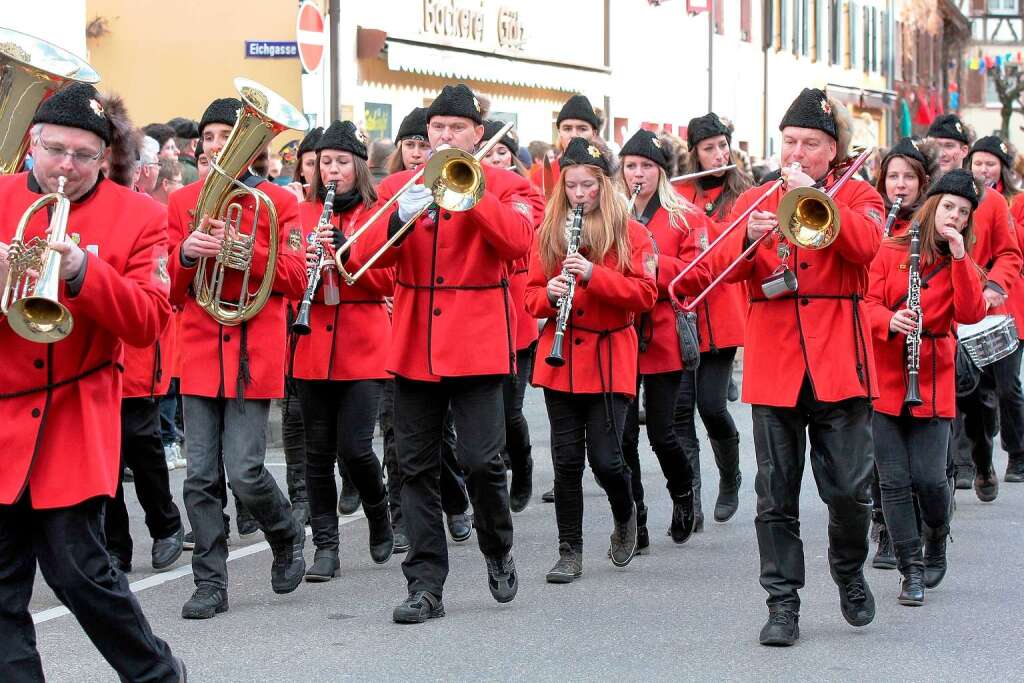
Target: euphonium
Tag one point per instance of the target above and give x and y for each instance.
(263, 115)
(30, 71)
(31, 307)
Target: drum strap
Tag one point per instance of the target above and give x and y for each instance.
(924, 280)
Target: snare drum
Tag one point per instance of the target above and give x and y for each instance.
(992, 339)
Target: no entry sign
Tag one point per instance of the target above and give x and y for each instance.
(309, 31)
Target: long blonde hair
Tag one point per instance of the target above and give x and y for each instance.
(604, 231)
(675, 204)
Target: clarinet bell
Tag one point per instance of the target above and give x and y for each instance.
(301, 325)
(913, 397)
(555, 358)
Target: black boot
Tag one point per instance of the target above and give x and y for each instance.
(964, 477)
(935, 555)
(548, 496)
(884, 557)
(986, 484)
(693, 456)
(908, 554)
(643, 537)
(522, 484)
(382, 538)
(569, 566)
(683, 517)
(244, 521)
(727, 457)
(325, 560)
(402, 544)
(295, 476)
(348, 500)
(1014, 468)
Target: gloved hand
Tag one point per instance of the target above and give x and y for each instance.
(412, 201)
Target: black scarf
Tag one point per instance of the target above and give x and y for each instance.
(342, 202)
(709, 182)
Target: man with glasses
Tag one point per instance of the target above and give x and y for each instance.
(60, 402)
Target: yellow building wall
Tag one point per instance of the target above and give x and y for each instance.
(172, 59)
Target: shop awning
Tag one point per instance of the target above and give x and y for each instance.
(448, 63)
(862, 97)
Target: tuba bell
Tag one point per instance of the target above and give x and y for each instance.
(31, 70)
(263, 115)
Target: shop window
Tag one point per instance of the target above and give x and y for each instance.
(835, 35)
(1004, 7)
(378, 120)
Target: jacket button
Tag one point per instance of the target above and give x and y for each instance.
(227, 337)
(35, 412)
(437, 311)
(330, 327)
(39, 363)
(446, 215)
(579, 312)
(804, 302)
(440, 280)
(804, 265)
(577, 341)
(924, 285)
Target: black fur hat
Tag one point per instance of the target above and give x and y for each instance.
(958, 182)
(310, 141)
(993, 144)
(704, 127)
(343, 136)
(491, 129)
(223, 110)
(907, 147)
(77, 105)
(124, 140)
(950, 127)
(578, 107)
(580, 151)
(646, 144)
(456, 100)
(414, 125)
(811, 109)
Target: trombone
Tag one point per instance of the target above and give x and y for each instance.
(808, 218)
(457, 182)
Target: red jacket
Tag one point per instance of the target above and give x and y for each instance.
(526, 325)
(721, 317)
(995, 248)
(704, 200)
(537, 176)
(953, 294)
(147, 371)
(453, 313)
(822, 332)
(1015, 297)
(211, 351)
(64, 442)
(349, 341)
(600, 347)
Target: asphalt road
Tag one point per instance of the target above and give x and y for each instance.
(689, 612)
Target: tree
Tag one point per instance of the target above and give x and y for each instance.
(1009, 81)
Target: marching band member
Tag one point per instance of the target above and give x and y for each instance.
(229, 376)
(451, 286)
(996, 250)
(719, 322)
(992, 165)
(411, 152)
(339, 366)
(587, 396)
(673, 225)
(61, 401)
(910, 439)
(517, 430)
(305, 164)
(576, 119)
(808, 371)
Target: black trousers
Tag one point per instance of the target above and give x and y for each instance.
(661, 391)
(707, 390)
(911, 457)
(420, 409)
(339, 418)
(997, 405)
(67, 545)
(454, 497)
(293, 436)
(841, 459)
(582, 429)
(142, 450)
(517, 430)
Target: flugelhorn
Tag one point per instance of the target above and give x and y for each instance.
(31, 70)
(31, 305)
(455, 179)
(263, 115)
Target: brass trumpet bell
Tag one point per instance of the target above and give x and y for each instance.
(40, 319)
(455, 179)
(808, 218)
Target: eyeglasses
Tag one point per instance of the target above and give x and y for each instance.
(77, 158)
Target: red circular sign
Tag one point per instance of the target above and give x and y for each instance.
(310, 36)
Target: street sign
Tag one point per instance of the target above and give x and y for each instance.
(309, 31)
(271, 49)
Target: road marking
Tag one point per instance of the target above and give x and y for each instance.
(186, 570)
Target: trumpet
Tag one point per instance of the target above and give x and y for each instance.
(807, 217)
(263, 115)
(32, 308)
(301, 325)
(456, 180)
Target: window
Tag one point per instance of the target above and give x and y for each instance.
(805, 20)
(851, 35)
(1004, 7)
(719, 16)
(745, 21)
(797, 20)
(866, 32)
(874, 39)
(784, 24)
(818, 37)
(835, 37)
(768, 15)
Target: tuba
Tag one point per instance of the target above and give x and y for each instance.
(31, 70)
(263, 115)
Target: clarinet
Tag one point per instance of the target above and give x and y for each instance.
(913, 397)
(301, 325)
(573, 233)
(891, 218)
(632, 199)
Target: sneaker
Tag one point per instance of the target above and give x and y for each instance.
(986, 485)
(1014, 469)
(206, 602)
(128, 477)
(417, 608)
(402, 544)
(169, 457)
(502, 578)
(188, 542)
(246, 523)
(179, 459)
(460, 527)
(964, 477)
(856, 602)
(289, 566)
(623, 542)
(548, 496)
(569, 566)
(683, 517)
(782, 628)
